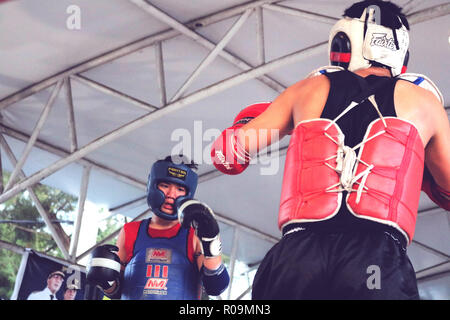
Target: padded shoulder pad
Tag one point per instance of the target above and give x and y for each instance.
(424, 82)
(326, 69)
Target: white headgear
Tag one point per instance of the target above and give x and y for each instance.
(355, 43)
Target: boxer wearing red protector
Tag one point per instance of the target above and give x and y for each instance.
(353, 171)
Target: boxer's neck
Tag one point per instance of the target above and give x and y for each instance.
(159, 223)
(377, 71)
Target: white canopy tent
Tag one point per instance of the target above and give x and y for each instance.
(93, 92)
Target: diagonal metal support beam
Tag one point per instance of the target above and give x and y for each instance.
(21, 250)
(213, 54)
(159, 59)
(34, 135)
(81, 203)
(36, 201)
(409, 6)
(301, 13)
(244, 293)
(429, 13)
(233, 258)
(112, 92)
(70, 115)
(141, 121)
(260, 45)
(431, 272)
(1, 171)
(432, 250)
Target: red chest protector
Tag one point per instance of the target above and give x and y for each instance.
(383, 182)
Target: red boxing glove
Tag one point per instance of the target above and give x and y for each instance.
(439, 196)
(227, 153)
(248, 114)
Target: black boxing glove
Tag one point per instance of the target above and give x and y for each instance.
(198, 215)
(103, 269)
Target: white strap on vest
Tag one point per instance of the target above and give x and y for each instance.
(322, 70)
(346, 158)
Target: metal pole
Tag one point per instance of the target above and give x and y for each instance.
(160, 73)
(70, 116)
(233, 259)
(244, 293)
(79, 218)
(21, 250)
(301, 13)
(431, 250)
(139, 122)
(22, 267)
(34, 135)
(406, 8)
(112, 92)
(429, 13)
(1, 171)
(130, 204)
(164, 17)
(260, 48)
(440, 268)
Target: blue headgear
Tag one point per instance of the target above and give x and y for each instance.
(166, 171)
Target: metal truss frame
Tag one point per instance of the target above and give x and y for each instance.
(18, 182)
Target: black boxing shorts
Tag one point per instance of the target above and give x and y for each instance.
(323, 265)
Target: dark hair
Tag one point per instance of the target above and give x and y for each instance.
(181, 159)
(390, 13)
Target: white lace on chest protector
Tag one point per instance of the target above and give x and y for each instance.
(346, 159)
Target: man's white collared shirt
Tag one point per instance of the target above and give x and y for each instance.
(42, 295)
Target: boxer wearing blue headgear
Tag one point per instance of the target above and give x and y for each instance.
(171, 255)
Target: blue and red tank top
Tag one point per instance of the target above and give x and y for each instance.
(160, 263)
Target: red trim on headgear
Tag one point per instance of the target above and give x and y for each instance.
(340, 56)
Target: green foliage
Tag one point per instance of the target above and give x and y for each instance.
(33, 234)
(9, 265)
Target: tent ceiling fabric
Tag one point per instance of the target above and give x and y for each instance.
(147, 78)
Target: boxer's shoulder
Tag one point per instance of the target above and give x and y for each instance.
(131, 227)
(418, 80)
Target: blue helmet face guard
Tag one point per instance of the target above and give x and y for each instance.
(165, 171)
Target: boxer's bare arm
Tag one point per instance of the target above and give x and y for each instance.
(429, 116)
(437, 152)
(301, 101)
(120, 243)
